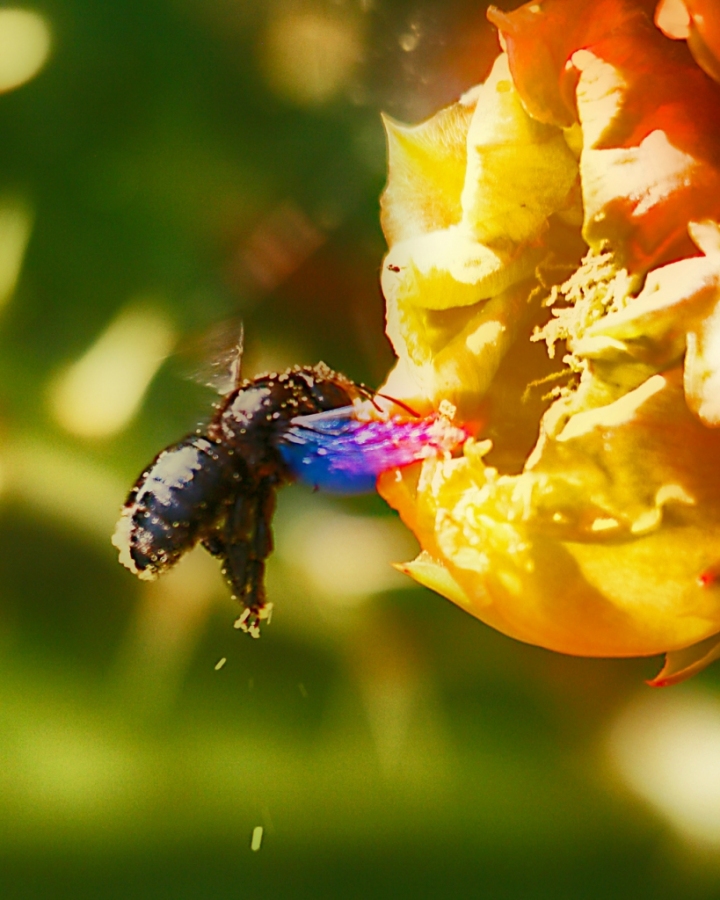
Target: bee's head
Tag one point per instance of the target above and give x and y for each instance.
(332, 390)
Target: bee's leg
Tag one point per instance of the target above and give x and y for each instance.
(231, 543)
(247, 539)
(215, 545)
(261, 546)
(228, 542)
(232, 558)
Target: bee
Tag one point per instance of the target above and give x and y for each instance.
(217, 487)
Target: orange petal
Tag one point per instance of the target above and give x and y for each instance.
(697, 22)
(540, 38)
(649, 119)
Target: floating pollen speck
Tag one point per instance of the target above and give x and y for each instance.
(256, 840)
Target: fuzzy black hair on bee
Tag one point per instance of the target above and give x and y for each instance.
(218, 486)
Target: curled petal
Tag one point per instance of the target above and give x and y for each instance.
(683, 664)
(448, 269)
(426, 571)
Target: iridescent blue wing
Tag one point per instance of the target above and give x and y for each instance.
(335, 452)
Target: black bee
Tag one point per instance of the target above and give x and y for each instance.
(217, 487)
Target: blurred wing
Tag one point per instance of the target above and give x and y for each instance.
(233, 362)
(217, 356)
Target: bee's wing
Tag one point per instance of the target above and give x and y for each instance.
(232, 364)
(336, 452)
(322, 450)
(218, 357)
(330, 422)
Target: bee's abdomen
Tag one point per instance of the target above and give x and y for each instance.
(174, 503)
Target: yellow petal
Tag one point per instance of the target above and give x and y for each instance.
(447, 269)
(702, 368)
(433, 575)
(519, 171)
(426, 172)
(454, 354)
(597, 548)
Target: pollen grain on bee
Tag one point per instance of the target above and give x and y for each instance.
(217, 486)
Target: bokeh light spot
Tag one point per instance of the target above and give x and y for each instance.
(62, 485)
(309, 54)
(99, 394)
(346, 558)
(68, 767)
(15, 226)
(666, 746)
(24, 46)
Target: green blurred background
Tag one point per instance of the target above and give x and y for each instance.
(174, 166)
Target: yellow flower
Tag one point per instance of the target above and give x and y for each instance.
(571, 201)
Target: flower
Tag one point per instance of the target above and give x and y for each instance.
(571, 201)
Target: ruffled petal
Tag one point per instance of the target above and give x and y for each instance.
(598, 547)
(540, 37)
(456, 296)
(651, 146)
(593, 526)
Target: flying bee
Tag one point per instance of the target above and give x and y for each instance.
(217, 487)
